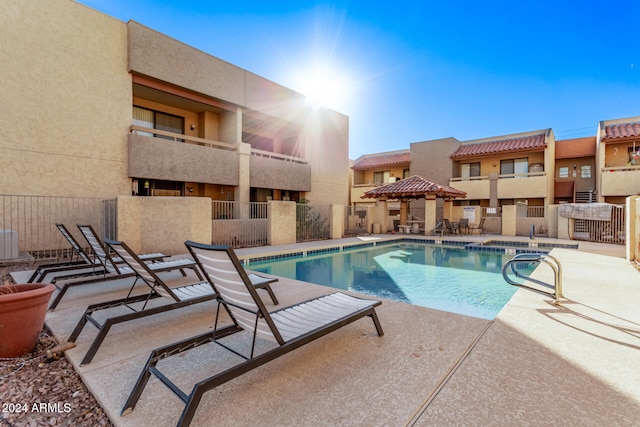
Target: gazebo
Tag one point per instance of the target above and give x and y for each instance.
(414, 187)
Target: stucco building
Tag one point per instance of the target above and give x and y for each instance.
(96, 107)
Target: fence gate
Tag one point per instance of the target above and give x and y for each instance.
(239, 224)
(355, 220)
(528, 216)
(493, 220)
(611, 231)
(312, 222)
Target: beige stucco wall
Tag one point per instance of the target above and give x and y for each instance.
(162, 224)
(157, 158)
(620, 183)
(509, 219)
(552, 220)
(66, 100)
(282, 222)
(159, 56)
(523, 188)
(632, 221)
(327, 141)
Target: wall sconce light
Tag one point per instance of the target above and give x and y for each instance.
(193, 127)
(190, 189)
(493, 164)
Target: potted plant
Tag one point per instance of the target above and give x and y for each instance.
(22, 311)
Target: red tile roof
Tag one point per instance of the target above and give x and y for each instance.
(577, 147)
(372, 161)
(525, 143)
(622, 130)
(413, 187)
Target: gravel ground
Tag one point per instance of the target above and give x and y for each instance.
(37, 391)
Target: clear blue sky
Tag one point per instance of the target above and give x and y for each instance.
(418, 70)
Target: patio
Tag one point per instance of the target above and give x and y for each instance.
(534, 364)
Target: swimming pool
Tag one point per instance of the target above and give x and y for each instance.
(444, 278)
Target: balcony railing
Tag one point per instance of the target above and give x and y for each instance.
(628, 168)
(277, 156)
(178, 137)
(501, 176)
(620, 181)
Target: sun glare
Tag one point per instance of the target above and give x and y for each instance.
(324, 87)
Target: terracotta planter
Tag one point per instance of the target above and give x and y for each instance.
(22, 318)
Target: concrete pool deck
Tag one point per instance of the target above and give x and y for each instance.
(535, 364)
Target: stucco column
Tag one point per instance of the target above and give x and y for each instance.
(382, 215)
(509, 218)
(281, 229)
(447, 210)
(493, 190)
(337, 221)
(243, 192)
(429, 215)
(371, 218)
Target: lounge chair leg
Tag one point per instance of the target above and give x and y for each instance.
(58, 297)
(143, 379)
(97, 342)
(272, 294)
(79, 327)
(376, 322)
(190, 409)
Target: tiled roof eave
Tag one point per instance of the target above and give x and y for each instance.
(498, 153)
(379, 165)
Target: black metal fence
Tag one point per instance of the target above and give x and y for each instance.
(28, 224)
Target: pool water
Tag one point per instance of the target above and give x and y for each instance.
(443, 278)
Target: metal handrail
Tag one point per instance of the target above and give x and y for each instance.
(539, 258)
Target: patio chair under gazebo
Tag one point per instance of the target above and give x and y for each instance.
(414, 187)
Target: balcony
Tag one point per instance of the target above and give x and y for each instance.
(477, 187)
(510, 186)
(273, 170)
(358, 190)
(169, 156)
(620, 181)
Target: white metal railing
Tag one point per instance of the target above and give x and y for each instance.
(621, 169)
(501, 176)
(178, 137)
(28, 224)
(239, 224)
(277, 156)
(222, 210)
(531, 221)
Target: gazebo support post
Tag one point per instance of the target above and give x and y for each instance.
(429, 215)
(404, 211)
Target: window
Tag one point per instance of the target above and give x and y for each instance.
(563, 172)
(468, 170)
(514, 166)
(151, 119)
(634, 155)
(585, 171)
(405, 174)
(381, 177)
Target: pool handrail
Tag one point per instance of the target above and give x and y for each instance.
(547, 259)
